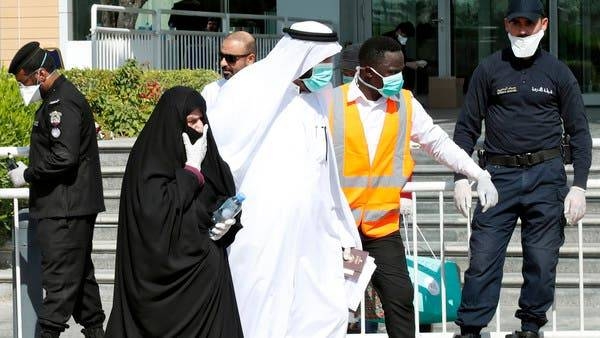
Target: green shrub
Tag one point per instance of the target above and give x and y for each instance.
(16, 120)
(196, 79)
(122, 100)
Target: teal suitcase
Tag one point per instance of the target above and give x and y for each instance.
(430, 290)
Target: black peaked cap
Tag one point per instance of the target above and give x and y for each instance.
(23, 55)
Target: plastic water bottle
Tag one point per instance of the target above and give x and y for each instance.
(10, 162)
(229, 209)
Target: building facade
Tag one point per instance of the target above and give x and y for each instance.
(25, 20)
(451, 35)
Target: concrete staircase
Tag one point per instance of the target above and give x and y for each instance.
(114, 156)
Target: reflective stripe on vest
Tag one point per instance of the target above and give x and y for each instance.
(373, 189)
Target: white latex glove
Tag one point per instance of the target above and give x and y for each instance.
(220, 229)
(462, 196)
(488, 195)
(574, 205)
(347, 254)
(195, 152)
(17, 175)
(421, 63)
(405, 207)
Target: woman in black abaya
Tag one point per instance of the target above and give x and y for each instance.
(171, 278)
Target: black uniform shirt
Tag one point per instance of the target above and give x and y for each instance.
(64, 164)
(522, 102)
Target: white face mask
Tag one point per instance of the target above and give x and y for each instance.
(402, 39)
(524, 47)
(30, 94)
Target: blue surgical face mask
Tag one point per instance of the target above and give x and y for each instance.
(321, 75)
(347, 79)
(391, 84)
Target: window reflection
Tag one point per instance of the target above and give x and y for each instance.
(478, 31)
(386, 14)
(82, 13)
(579, 41)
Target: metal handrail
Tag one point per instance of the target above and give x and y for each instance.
(414, 187)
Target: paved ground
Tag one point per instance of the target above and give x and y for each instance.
(444, 117)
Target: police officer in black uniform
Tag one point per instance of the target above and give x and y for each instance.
(526, 97)
(65, 192)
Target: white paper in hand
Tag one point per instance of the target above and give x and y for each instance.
(355, 291)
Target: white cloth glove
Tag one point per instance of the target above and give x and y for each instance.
(195, 152)
(421, 63)
(488, 195)
(462, 196)
(347, 254)
(574, 205)
(17, 175)
(220, 229)
(405, 207)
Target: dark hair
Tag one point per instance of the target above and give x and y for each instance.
(374, 48)
(407, 28)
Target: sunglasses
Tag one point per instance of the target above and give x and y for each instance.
(229, 58)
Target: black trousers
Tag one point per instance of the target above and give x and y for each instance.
(68, 273)
(536, 196)
(392, 283)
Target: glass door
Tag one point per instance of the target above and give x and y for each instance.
(477, 31)
(423, 45)
(578, 43)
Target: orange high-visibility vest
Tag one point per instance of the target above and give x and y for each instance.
(373, 190)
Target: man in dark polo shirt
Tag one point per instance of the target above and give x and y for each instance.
(526, 97)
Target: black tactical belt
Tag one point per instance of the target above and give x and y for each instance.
(523, 160)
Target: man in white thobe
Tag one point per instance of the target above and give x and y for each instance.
(287, 261)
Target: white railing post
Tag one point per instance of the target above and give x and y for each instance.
(554, 312)
(15, 194)
(580, 259)
(156, 38)
(93, 32)
(415, 264)
(17, 260)
(443, 260)
(226, 23)
(363, 316)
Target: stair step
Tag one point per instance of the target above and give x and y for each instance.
(117, 145)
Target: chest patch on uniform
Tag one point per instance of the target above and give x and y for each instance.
(541, 89)
(506, 90)
(55, 132)
(55, 118)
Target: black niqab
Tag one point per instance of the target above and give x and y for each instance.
(171, 279)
